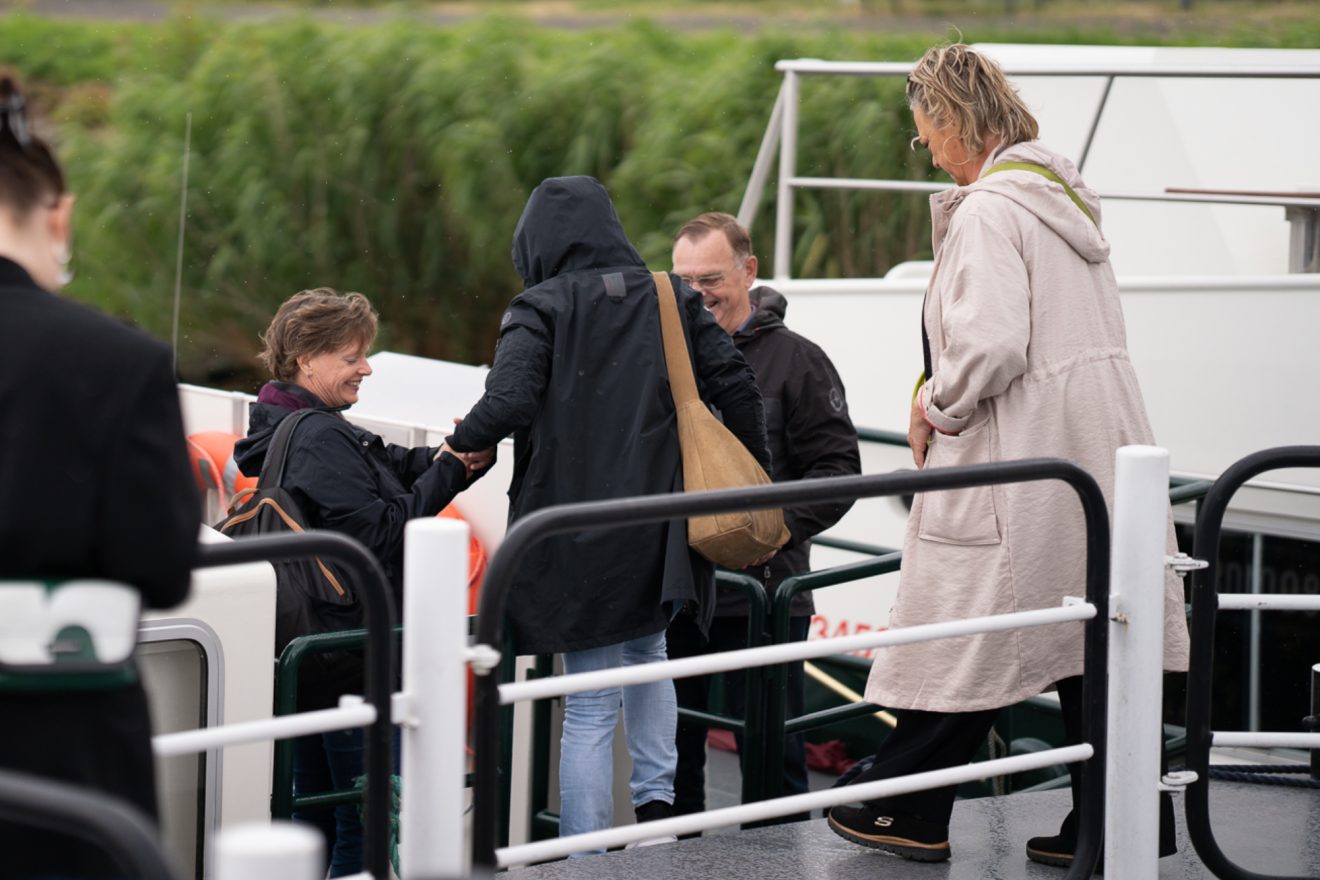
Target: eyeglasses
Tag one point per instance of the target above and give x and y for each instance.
(707, 282)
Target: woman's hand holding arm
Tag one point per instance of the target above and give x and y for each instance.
(473, 462)
(919, 431)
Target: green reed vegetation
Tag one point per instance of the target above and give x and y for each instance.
(395, 160)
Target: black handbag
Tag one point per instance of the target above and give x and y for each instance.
(311, 596)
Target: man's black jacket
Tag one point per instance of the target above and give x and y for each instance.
(811, 435)
(579, 380)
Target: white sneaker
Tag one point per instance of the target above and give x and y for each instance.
(654, 841)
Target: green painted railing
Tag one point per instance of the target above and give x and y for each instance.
(283, 803)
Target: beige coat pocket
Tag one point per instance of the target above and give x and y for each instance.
(960, 516)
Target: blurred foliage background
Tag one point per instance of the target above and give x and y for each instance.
(394, 159)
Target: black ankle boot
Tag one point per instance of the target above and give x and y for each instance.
(892, 831)
(650, 812)
(1058, 850)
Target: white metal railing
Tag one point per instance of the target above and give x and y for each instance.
(436, 670)
(782, 132)
(1268, 602)
(785, 806)
(539, 689)
(1254, 739)
(412, 433)
(814, 66)
(709, 664)
(1136, 636)
(352, 712)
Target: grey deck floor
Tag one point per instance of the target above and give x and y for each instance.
(1264, 828)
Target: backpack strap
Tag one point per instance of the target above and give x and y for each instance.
(1048, 175)
(272, 469)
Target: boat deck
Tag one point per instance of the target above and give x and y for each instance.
(1268, 829)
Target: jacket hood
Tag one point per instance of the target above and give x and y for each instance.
(1045, 199)
(770, 310)
(569, 225)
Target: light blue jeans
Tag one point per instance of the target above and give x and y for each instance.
(650, 720)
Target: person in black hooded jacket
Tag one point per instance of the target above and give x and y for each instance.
(579, 379)
(345, 479)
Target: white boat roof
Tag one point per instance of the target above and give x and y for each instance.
(1227, 134)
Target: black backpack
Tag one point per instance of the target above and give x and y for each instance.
(311, 596)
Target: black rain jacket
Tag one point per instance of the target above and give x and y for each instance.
(347, 479)
(579, 380)
(810, 432)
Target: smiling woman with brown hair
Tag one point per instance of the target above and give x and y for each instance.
(1026, 356)
(346, 479)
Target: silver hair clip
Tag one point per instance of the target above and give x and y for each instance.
(13, 118)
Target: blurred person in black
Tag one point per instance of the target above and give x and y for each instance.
(94, 483)
(810, 434)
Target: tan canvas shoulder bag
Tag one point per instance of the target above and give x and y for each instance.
(713, 458)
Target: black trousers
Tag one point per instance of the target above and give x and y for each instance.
(925, 741)
(683, 639)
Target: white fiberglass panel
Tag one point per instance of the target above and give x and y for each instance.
(238, 603)
(1222, 134)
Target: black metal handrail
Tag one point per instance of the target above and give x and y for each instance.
(111, 823)
(373, 589)
(1205, 603)
(661, 508)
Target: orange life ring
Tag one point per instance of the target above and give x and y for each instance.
(219, 445)
(204, 468)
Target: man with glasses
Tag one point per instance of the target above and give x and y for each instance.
(810, 436)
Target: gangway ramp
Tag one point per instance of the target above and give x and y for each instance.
(1267, 829)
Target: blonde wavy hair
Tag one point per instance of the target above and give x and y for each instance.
(957, 87)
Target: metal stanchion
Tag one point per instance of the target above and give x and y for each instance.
(277, 851)
(1315, 717)
(1136, 660)
(434, 693)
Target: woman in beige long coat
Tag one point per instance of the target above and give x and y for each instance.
(1027, 357)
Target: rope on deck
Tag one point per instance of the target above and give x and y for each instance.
(1263, 774)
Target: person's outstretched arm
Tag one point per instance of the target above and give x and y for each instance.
(332, 472)
(515, 385)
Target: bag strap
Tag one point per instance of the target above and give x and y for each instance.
(272, 469)
(1048, 175)
(682, 384)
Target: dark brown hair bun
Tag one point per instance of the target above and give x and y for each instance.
(29, 174)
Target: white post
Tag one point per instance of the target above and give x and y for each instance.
(1136, 662)
(435, 608)
(275, 851)
(787, 170)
